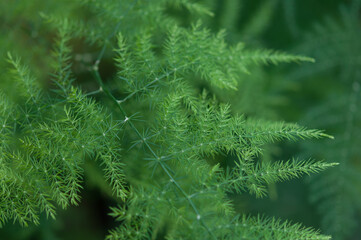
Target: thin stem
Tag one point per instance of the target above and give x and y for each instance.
(111, 96)
(94, 92)
(154, 81)
(191, 203)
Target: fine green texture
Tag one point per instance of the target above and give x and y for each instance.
(162, 105)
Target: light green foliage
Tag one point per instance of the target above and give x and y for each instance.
(170, 181)
(255, 178)
(196, 51)
(44, 145)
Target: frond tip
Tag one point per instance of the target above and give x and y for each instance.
(255, 178)
(266, 56)
(27, 86)
(271, 228)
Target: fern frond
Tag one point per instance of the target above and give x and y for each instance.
(49, 141)
(62, 66)
(185, 147)
(274, 57)
(266, 131)
(271, 228)
(26, 84)
(254, 178)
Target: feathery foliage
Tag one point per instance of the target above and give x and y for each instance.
(156, 124)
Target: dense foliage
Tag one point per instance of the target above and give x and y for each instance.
(171, 117)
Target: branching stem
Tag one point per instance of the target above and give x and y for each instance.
(189, 200)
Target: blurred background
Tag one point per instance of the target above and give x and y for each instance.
(323, 95)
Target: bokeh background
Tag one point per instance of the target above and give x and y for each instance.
(323, 95)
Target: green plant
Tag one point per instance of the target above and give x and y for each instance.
(155, 125)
